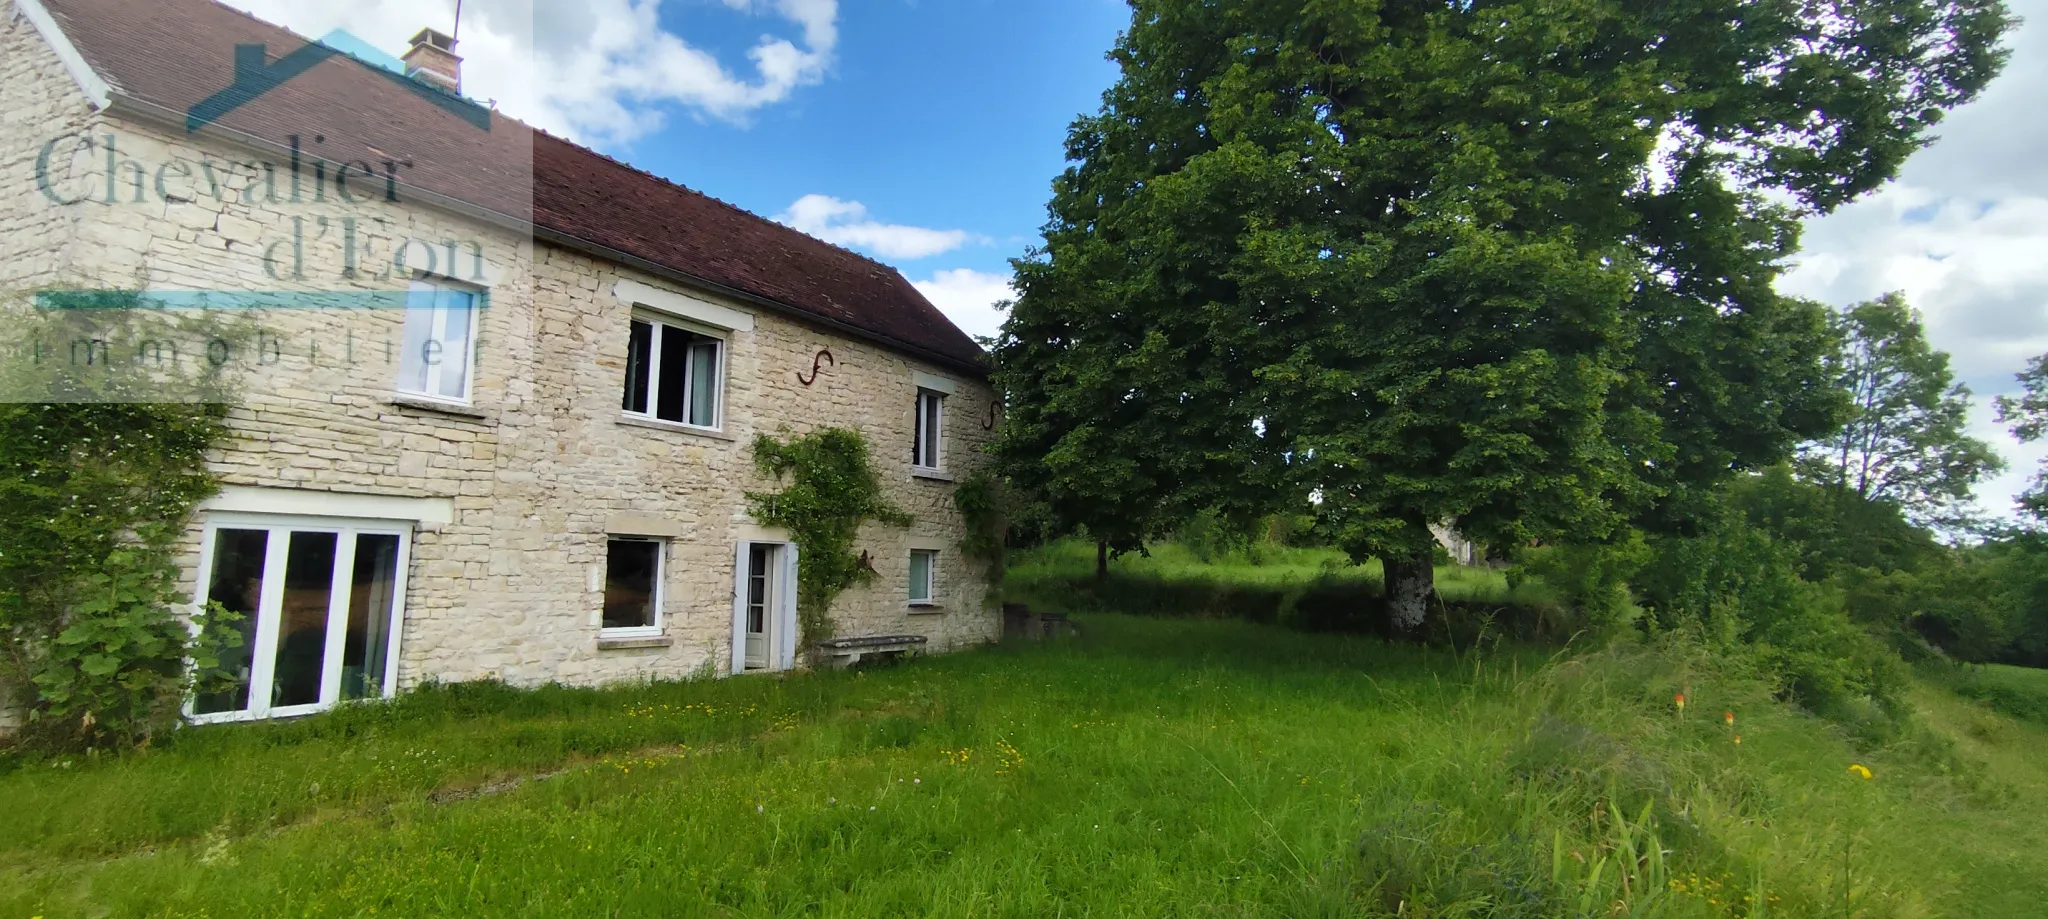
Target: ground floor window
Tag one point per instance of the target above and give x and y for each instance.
(924, 565)
(320, 601)
(632, 588)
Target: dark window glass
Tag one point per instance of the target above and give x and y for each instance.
(639, 363)
(924, 449)
(302, 621)
(757, 590)
(673, 376)
(237, 585)
(632, 570)
(373, 590)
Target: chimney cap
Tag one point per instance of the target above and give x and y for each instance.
(433, 37)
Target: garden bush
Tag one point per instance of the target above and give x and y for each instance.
(99, 471)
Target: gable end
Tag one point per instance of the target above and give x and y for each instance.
(89, 81)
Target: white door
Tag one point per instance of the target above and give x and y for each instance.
(764, 629)
(760, 605)
(320, 603)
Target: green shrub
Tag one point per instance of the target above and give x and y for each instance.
(101, 463)
(1740, 590)
(92, 499)
(1590, 582)
(1214, 537)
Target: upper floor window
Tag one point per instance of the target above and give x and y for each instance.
(674, 373)
(439, 357)
(926, 452)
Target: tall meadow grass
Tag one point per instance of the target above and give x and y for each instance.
(1151, 767)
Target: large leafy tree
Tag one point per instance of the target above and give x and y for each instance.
(2027, 414)
(1507, 265)
(1903, 440)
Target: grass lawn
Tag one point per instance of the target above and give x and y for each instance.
(1276, 567)
(2018, 691)
(1151, 767)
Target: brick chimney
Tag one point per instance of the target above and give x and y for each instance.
(433, 60)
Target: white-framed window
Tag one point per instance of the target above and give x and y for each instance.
(924, 577)
(928, 449)
(633, 587)
(438, 359)
(320, 603)
(675, 372)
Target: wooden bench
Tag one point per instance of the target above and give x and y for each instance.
(846, 652)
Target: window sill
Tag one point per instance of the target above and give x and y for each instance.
(656, 424)
(631, 643)
(935, 475)
(424, 404)
(925, 609)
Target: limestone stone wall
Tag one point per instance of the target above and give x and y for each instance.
(542, 462)
(39, 102)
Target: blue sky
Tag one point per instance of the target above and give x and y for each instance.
(945, 115)
(926, 133)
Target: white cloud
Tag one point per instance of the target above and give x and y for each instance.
(1963, 232)
(969, 298)
(601, 71)
(846, 223)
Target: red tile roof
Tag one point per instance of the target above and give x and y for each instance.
(162, 57)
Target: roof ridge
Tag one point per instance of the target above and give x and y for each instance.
(248, 15)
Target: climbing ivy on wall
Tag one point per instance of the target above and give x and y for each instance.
(980, 500)
(101, 465)
(831, 488)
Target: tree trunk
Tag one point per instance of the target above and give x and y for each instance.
(1102, 559)
(1411, 585)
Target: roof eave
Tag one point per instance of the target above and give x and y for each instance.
(979, 369)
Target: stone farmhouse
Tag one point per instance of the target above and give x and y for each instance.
(498, 421)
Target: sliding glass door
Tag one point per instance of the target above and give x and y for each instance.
(320, 601)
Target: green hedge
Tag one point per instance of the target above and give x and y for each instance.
(1341, 599)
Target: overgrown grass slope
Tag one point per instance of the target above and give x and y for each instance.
(1153, 767)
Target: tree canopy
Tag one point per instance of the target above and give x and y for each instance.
(1903, 440)
(2028, 416)
(1507, 265)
